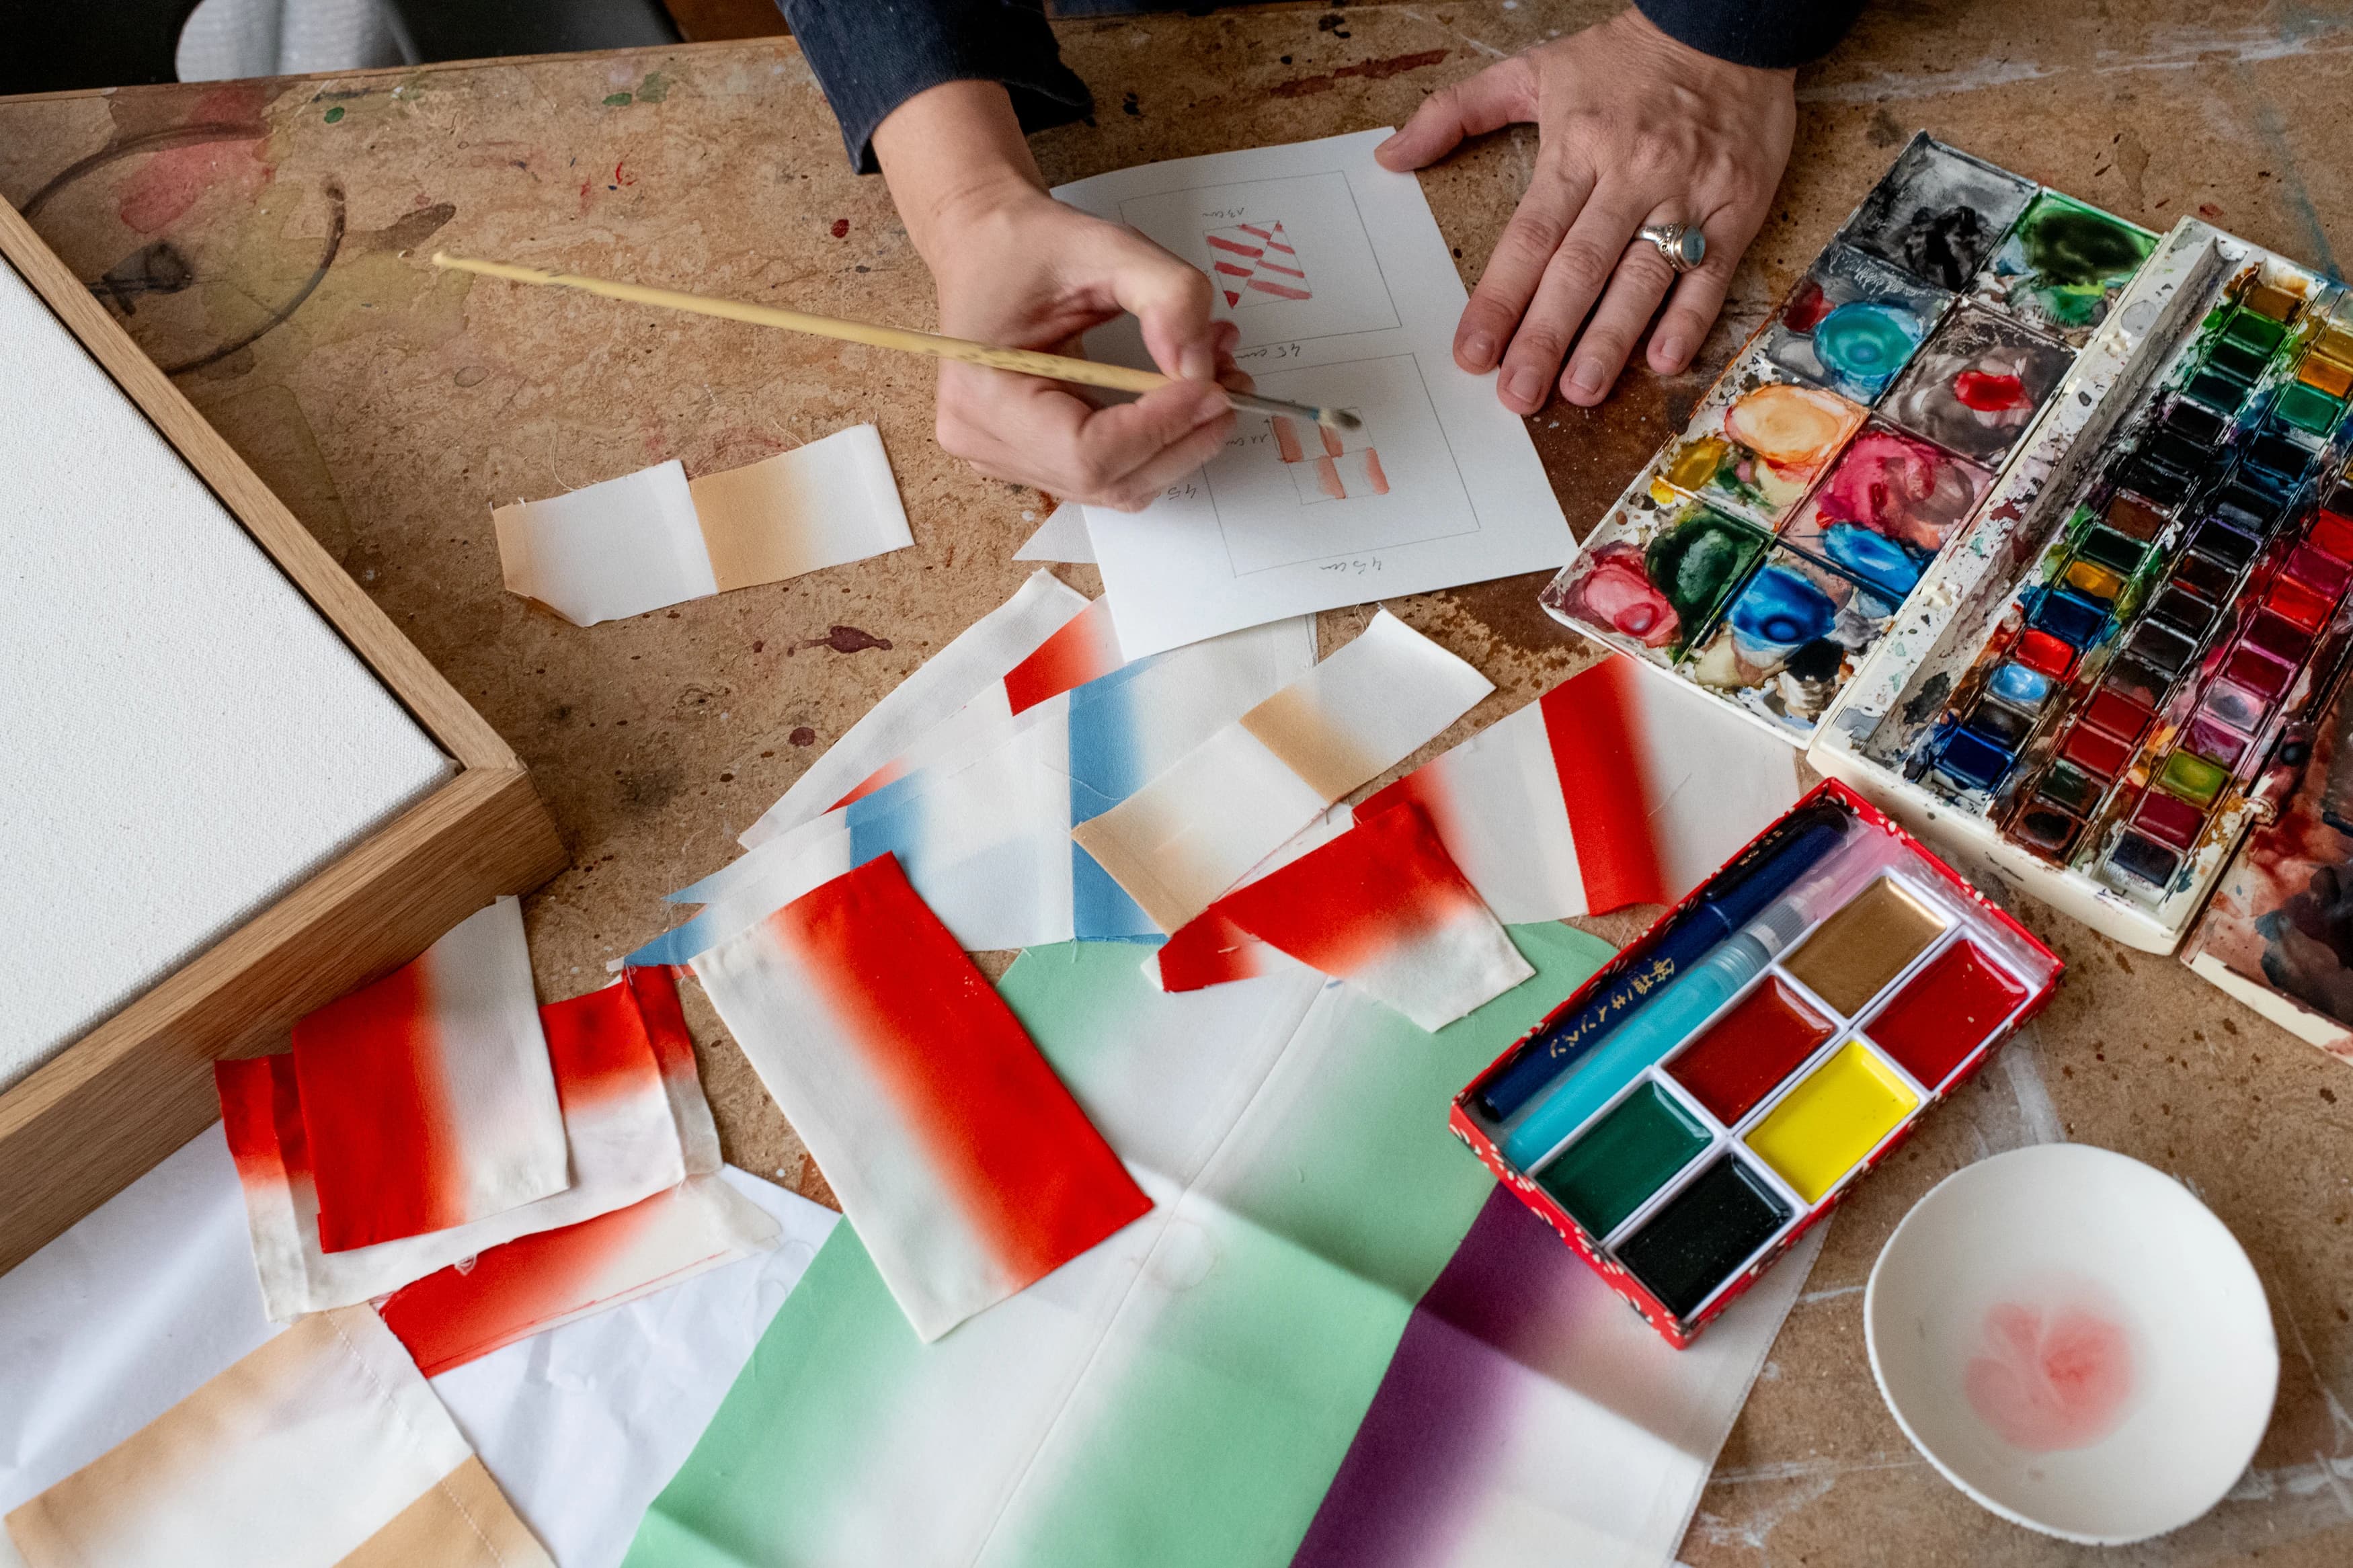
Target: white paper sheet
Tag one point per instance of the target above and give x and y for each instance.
(135, 1307)
(651, 539)
(1441, 487)
(1062, 537)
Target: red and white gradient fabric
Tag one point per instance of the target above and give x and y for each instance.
(323, 1449)
(966, 1167)
(970, 669)
(1380, 907)
(654, 991)
(427, 1100)
(528, 1287)
(1616, 787)
(617, 1119)
(1199, 828)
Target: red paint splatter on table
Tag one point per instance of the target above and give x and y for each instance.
(162, 187)
(803, 736)
(848, 639)
(2052, 1378)
(840, 228)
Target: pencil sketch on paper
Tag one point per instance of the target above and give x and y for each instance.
(1327, 464)
(1253, 263)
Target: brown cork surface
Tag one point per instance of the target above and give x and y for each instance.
(392, 408)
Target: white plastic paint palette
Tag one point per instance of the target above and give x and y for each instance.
(2075, 1341)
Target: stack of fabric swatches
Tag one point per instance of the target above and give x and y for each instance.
(1768, 549)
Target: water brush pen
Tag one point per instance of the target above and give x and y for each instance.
(1722, 911)
(1670, 1016)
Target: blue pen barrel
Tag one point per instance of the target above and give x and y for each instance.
(1650, 1034)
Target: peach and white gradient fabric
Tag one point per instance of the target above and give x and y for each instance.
(323, 1449)
(966, 1167)
(1199, 828)
(624, 1136)
(428, 1099)
(529, 1286)
(1380, 907)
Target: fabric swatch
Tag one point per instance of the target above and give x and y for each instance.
(982, 826)
(619, 1125)
(1380, 907)
(951, 1144)
(1616, 787)
(960, 673)
(149, 1296)
(1187, 1392)
(1062, 537)
(428, 1099)
(531, 1285)
(654, 991)
(321, 1448)
(1194, 831)
(651, 539)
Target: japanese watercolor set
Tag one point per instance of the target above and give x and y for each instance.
(2029, 525)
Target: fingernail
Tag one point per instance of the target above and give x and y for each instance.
(1196, 363)
(1523, 386)
(1585, 379)
(1671, 350)
(1479, 349)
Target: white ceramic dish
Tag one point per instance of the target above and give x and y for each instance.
(2075, 1341)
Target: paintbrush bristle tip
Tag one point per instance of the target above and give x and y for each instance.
(1338, 419)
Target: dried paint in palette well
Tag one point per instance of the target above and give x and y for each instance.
(1745, 1054)
(1831, 1118)
(1747, 1085)
(1628, 1155)
(1704, 1233)
(1860, 948)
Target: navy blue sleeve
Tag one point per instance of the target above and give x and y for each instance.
(1774, 33)
(871, 55)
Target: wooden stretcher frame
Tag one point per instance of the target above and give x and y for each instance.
(138, 1085)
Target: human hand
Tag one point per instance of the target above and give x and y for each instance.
(1016, 268)
(1634, 128)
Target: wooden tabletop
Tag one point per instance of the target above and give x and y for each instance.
(264, 239)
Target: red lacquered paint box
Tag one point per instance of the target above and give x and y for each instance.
(1723, 1082)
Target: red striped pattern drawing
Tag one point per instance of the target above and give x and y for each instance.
(1254, 264)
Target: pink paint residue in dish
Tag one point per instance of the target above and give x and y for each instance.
(2051, 1378)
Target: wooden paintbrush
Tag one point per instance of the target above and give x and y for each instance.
(1027, 361)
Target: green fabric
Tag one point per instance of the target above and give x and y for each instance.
(1189, 1408)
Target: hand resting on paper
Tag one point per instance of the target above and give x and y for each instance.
(1634, 128)
(1015, 267)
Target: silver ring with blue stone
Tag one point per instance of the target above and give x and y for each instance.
(1682, 245)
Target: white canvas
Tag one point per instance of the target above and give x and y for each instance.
(187, 739)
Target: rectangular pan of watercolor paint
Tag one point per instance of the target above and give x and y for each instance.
(1722, 1084)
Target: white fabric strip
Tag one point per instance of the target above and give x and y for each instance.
(1196, 829)
(610, 550)
(1062, 537)
(976, 659)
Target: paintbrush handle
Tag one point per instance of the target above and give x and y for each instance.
(1024, 361)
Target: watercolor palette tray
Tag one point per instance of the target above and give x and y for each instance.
(1708, 1096)
(2144, 631)
(1769, 549)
